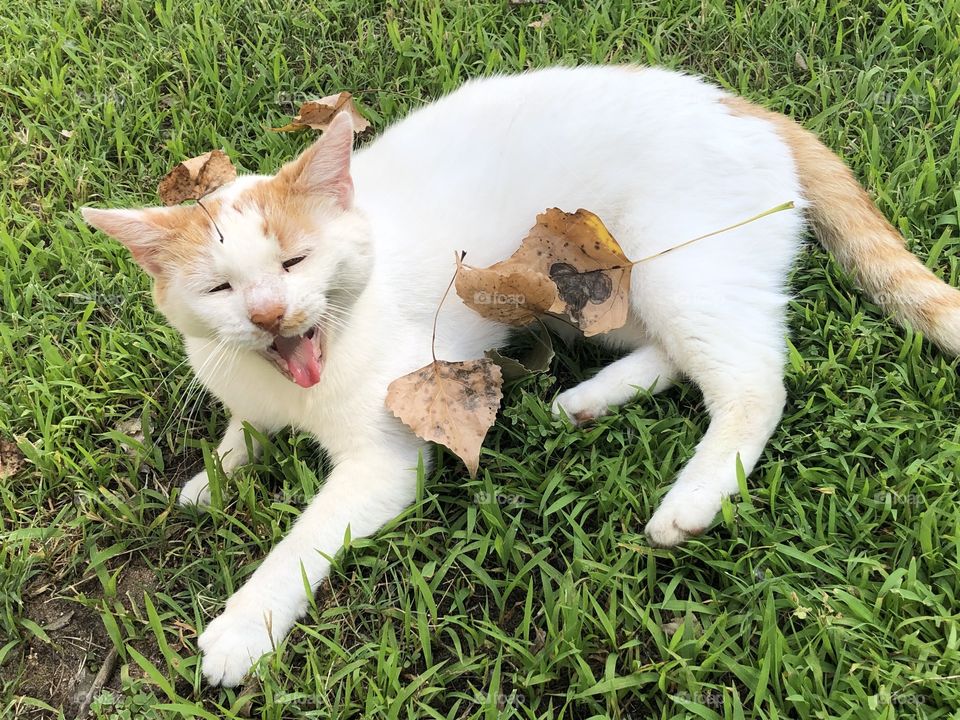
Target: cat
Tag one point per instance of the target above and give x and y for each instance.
(324, 287)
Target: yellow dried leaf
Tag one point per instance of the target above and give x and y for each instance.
(194, 178)
(451, 403)
(318, 114)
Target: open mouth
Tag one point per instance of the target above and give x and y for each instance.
(299, 357)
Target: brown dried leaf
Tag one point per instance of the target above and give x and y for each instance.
(508, 292)
(451, 403)
(11, 459)
(577, 255)
(542, 22)
(194, 178)
(588, 266)
(132, 428)
(318, 114)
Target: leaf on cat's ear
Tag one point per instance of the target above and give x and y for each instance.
(451, 403)
(572, 253)
(194, 178)
(318, 114)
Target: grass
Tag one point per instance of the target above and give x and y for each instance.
(830, 590)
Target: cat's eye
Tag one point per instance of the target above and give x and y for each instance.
(293, 261)
(220, 288)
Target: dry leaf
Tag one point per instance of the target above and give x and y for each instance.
(508, 292)
(318, 114)
(132, 428)
(536, 360)
(194, 178)
(572, 252)
(451, 403)
(539, 24)
(693, 626)
(11, 460)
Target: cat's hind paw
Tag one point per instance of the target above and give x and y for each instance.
(679, 518)
(582, 404)
(196, 492)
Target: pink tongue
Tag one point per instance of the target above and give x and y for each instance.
(301, 359)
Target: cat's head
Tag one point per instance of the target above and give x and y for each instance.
(294, 256)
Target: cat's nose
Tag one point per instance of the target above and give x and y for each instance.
(268, 317)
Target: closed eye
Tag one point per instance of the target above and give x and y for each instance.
(293, 261)
(220, 288)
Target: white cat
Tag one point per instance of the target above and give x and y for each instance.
(325, 285)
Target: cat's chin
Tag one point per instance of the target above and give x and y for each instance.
(298, 357)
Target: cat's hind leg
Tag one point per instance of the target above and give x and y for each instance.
(737, 362)
(646, 368)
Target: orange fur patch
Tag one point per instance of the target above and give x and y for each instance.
(850, 226)
(188, 228)
(286, 215)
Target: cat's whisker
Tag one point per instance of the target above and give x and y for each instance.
(196, 391)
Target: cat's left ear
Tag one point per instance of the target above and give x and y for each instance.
(324, 167)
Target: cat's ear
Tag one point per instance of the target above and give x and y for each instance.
(139, 230)
(324, 167)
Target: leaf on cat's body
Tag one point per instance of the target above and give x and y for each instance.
(451, 403)
(318, 114)
(508, 292)
(194, 178)
(568, 265)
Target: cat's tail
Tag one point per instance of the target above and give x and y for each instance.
(865, 244)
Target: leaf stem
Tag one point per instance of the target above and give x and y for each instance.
(779, 208)
(433, 338)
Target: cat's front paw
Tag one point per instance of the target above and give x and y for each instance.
(196, 492)
(681, 515)
(235, 640)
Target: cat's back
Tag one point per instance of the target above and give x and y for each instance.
(490, 155)
(557, 125)
(560, 102)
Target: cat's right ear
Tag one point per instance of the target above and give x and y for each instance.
(138, 230)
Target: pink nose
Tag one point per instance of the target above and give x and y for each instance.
(268, 317)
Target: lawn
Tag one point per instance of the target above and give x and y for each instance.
(829, 590)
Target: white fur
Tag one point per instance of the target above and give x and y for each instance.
(653, 153)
